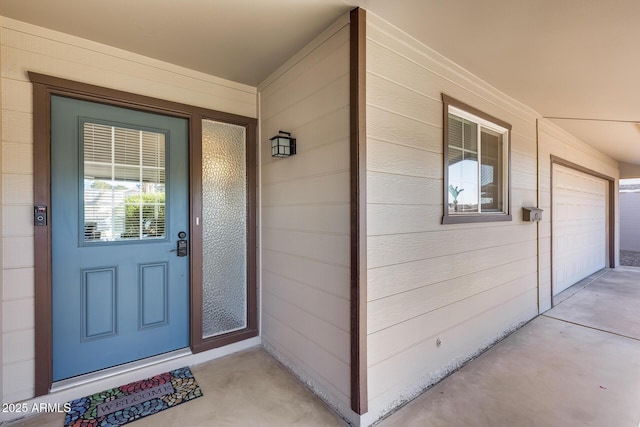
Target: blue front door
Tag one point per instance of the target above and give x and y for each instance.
(119, 218)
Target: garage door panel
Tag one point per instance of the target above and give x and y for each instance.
(579, 226)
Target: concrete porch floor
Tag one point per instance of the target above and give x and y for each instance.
(577, 364)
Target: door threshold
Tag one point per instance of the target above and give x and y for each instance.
(117, 370)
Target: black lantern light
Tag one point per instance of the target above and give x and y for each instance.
(282, 145)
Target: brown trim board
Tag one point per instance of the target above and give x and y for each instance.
(42, 240)
(358, 132)
(43, 87)
(611, 224)
(538, 204)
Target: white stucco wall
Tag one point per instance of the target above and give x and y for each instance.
(29, 48)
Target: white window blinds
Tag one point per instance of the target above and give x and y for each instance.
(124, 183)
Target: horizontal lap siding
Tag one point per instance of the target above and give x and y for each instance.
(465, 284)
(554, 141)
(424, 363)
(305, 218)
(60, 55)
(28, 48)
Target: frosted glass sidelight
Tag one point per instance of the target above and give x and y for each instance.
(224, 228)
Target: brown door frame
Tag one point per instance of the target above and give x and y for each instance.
(43, 88)
(611, 208)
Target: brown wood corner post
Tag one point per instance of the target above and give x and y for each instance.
(42, 240)
(357, 102)
(538, 276)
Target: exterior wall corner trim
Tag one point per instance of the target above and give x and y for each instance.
(358, 163)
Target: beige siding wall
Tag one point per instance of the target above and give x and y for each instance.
(29, 48)
(464, 284)
(305, 216)
(553, 140)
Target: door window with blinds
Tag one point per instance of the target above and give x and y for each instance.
(477, 151)
(124, 183)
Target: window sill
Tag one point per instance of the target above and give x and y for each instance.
(465, 219)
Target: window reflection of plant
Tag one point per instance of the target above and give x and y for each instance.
(455, 192)
(153, 213)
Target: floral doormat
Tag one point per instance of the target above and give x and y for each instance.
(127, 403)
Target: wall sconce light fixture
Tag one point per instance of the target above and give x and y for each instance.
(282, 145)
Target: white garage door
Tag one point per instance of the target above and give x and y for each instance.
(579, 226)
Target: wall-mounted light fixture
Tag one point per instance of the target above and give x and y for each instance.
(282, 145)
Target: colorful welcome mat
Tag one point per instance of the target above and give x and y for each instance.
(127, 403)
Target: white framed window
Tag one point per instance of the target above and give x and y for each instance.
(477, 151)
